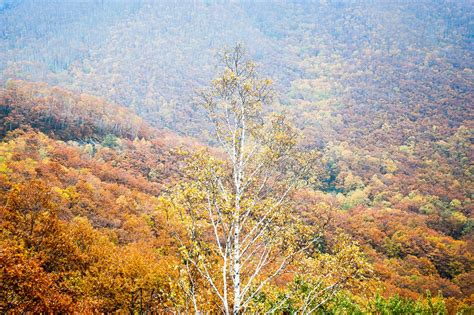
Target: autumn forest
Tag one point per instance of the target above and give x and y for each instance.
(236, 157)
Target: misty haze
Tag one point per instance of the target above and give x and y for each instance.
(236, 157)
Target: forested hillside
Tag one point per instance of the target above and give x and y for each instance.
(167, 156)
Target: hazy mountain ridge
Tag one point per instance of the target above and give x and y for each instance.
(144, 56)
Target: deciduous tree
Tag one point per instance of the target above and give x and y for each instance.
(241, 230)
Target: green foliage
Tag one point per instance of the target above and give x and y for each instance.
(110, 141)
(400, 306)
(354, 198)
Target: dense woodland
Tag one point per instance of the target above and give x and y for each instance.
(348, 170)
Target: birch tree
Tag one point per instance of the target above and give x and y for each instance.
(241, 232)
